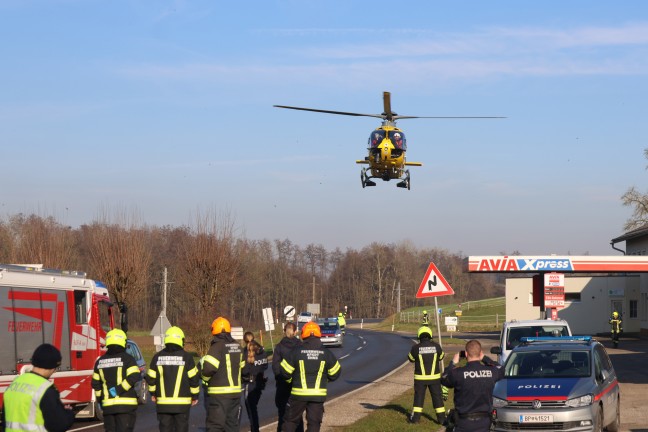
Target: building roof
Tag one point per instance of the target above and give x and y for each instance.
(630, 235)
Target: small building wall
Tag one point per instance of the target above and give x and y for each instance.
(639, 246)
(593, 300)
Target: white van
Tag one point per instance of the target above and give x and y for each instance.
(513, 330)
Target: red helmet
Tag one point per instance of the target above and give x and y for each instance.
(311, 329)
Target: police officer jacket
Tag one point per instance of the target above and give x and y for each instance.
(221, 367)
(254, 372)
(173, 379)
(31, 402)
(427, 356)
(310, 367)
(116, 369)
(473, 385)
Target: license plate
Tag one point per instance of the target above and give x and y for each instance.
(536, 418)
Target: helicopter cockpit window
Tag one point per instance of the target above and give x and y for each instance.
(376, 138)
(398, 139)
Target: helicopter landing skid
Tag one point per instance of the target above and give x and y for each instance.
(405, 183)
(366, 179)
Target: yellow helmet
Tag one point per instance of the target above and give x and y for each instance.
(220, 325)
(116, 337)
(424, 330)
(615, 314)
(174, 335)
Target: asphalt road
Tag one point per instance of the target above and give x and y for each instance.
(365, 357)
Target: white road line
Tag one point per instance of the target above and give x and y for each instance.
(86, 427)
(344, 356)
(358, 349)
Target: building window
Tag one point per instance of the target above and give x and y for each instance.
(644, 306)
(633, 308)
(572, 297)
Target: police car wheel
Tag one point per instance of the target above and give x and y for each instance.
(598, 423)
(615, 426)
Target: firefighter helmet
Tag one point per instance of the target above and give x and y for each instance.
(615, 314)
(424, 330)
(116, 337)
(221, 325)
(311, 329)
(424, 312)
(174, 335)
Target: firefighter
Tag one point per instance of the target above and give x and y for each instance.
(31, 402)
(473, 384)
(616, 328)
(310, 367)
(114, 378)
(427, 357)
(173, 382)
(342, 322)
(254, 380)
(283, 387)
(221, 369)
(426, 318)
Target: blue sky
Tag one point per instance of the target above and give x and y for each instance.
(165, 108)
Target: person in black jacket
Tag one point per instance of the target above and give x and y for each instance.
(310, 368)
(427, 357)
(114, 378)
(254, 380)
(173, 382)
(23, 394)
(283, 387)
(473, 384)
(221, 369)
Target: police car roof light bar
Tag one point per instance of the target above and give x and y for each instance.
(558, 339)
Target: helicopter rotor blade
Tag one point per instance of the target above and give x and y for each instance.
(398, 117)
(329, 111)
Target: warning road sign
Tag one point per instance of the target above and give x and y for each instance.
(434, 284)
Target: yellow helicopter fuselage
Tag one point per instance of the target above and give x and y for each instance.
(387, 148)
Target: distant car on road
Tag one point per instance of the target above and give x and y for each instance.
(141, 388)
(331, 332)
(514, 330)
(557, 383)
(305, 317)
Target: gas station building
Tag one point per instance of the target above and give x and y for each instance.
(594, 286)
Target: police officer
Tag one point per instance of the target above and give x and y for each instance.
(173, 382)
(31, 402)
(616, 328)
(114, 378)
(221, 369)
(310, 367)
(283, 386)
(427, 357)
(473, 384)
(254, 380)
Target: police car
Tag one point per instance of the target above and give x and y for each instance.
(331, 332)
(564, 383)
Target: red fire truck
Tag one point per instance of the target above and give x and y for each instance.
(63, 308)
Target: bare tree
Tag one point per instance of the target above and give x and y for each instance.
(639, 202)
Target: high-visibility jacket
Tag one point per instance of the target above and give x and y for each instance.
(341, 321)
(116, 369)
(173, 379)
(426, 356)
(221, 367)
(310, 367)
(22, 403)
(616, 324)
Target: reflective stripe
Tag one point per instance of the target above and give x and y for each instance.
(287, 367)
(132, 370)
(308, 392)
(152, 373)
(304, 390)
(439, 410)
(24, 427)
(173, 401)
(334, 369)
(211, 360)
(162, 389)
(176, 390)
(195, 390)
(320, 372)
(192, 373)
(417, 409)
(119, 401)
(223, 390)
(228, 363)
(425, 376)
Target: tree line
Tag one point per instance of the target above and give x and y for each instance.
(214, 270)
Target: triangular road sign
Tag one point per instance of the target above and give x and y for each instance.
(434, 284)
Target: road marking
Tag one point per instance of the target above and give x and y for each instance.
(358, 349)
(86, 427)
(344, 356)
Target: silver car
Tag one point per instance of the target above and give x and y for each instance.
(331, 332)
(565, 383)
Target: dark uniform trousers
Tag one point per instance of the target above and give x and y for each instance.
(252, 394)
(295, 410)
(434, 386)
(173, 422)
(122, 422)
(222, 416)
(282, 395)
(480, 424)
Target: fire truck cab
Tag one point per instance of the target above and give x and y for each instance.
(63, 308)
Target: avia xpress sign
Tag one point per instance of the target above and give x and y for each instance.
(552, 263)
(522, 264)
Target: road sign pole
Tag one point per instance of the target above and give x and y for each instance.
(436, 309)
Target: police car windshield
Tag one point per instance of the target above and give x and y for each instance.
(548, 363)
(516, 333)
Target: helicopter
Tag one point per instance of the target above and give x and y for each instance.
(387, 145)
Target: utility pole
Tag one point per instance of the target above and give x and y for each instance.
(313, 289)
(398, 305)
(162, 324)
